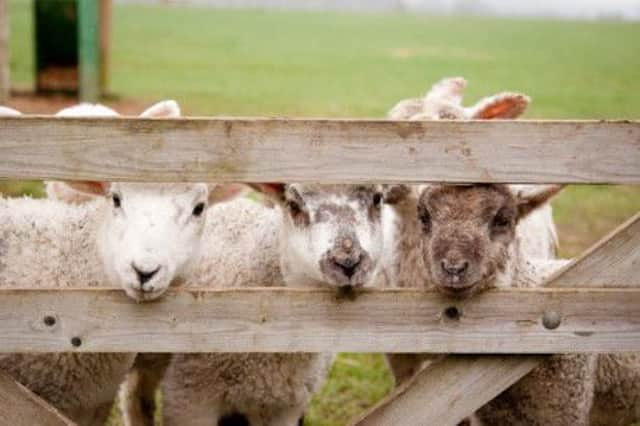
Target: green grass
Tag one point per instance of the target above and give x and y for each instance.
(326, 64)
(338, 65)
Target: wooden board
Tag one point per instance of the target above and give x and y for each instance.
(613, 262)
(425, 399)
(21, 407)
(286, 320)
(494, 379)
(263, 150)
(4, 52)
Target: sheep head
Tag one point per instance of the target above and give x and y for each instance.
(330, 234)
(150, 232)
(444, 102)
(468, 233)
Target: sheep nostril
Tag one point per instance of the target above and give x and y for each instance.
(455, 268)
(144, 276)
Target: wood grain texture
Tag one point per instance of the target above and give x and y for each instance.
(613, 262)
(425, 398)
(259, 150)
(21, 407)
(286, 320)
(590, 268)
(4, 51)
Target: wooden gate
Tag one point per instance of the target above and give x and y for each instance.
(597, 297)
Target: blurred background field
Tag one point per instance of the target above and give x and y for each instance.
(293, 63)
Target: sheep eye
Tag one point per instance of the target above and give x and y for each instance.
(377, 199)
(500, 221)
(425, 218)
(198, 209)
(116, 201)
(294, 208)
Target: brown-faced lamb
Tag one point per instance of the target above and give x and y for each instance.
(404, 265)
(470, 245)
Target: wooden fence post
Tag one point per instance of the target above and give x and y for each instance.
(4, 51)
(105, 15)
(88, 50)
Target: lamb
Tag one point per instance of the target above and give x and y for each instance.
(144, 251)
(327, 235)
(470, 245)
(405, 266)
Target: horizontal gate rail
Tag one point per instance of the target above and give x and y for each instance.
(338, 151)
(285, 320)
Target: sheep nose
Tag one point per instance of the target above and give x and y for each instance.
(348, 265)
(144, 275)
(455, 267)
(347, 245)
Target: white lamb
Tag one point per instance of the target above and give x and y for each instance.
(46, 243)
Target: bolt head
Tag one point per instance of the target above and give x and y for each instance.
(551, 320)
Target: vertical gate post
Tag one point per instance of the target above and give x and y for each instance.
(4, 51)
(88, 50)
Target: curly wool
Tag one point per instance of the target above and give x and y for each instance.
(240, 249)
(617, 390)
(48, 244)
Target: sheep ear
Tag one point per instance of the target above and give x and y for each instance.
(9, 112)
(274, 191)
(448, 89)
(164, 109)
(536, 196)
(502, 105)
(219, 193)
(89, 187)
(394, 194)
(87, 110)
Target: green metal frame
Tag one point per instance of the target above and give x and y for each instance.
(88, 50)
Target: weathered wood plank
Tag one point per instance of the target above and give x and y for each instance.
(613, 262)
(320, 150)
(286, 320)
(21, 407)
(425, 398)
(614, 247)
(4, 51)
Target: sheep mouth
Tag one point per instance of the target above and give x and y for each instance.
(145, 295)
(457, 292)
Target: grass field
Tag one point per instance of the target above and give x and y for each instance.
(338, 65)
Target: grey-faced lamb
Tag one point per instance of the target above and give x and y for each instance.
(318, 235)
